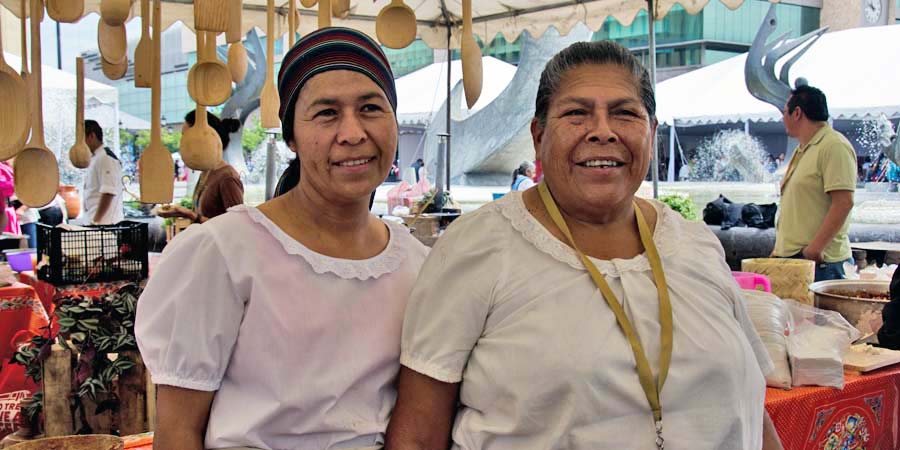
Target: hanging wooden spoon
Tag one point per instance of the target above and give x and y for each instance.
(36, 172)
(25, 75)
(268, 100)
(114, 12)
(308, 3)
(395, 25)
(143, 53)
(237, 54)
(114, 71)
(112, 42)
(65, 11)
(210, 15)
(13, 109)
(340, 8)
(80, 153)
(156, 167)
(201, 146)
(292, 22)
(209, 81)
(324, 13)
(471, 58)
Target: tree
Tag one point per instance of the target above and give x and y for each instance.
(252, 137)
(171, 140)
(142, 140)
(125, 138)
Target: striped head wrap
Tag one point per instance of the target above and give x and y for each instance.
(334, 48)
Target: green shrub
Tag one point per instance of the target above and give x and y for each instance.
(683, 205)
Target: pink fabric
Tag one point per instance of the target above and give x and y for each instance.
(8, 189)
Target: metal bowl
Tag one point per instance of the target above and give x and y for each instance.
(862, 313)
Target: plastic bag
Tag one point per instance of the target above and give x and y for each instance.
(771, 319)
(816, 345)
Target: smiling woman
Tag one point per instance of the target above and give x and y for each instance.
(287, 335)
(575, 315)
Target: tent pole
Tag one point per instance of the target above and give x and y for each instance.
(449, 106)
(651, 53)
(671, 174)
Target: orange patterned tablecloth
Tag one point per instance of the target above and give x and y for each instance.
(49, 293)
(861, 416)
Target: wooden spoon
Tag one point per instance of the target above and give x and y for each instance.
(13, 109)
(210, 15)
(308, 3)
(324, 13)
(25, 75)
(209, 81)
(114, 71)
(237, 54)
(112, 42)
(340, 8)
(396, 25)
(201, 146)
(65, 11)
(292, 22)
(157, 169)
(143, 53)
(114, 12)
(471, 58)
(36, 172)
(269, 101)
(80, 153)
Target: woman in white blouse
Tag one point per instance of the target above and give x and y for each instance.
(623, 329)
(278, 327)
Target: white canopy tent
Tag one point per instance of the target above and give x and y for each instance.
(421, 93)
(858, 69)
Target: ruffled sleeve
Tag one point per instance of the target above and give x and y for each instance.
(189, 315)
(450, 303)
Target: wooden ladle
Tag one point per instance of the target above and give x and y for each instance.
(157, 169)
(340, 8)
(112, 42)
(80, 153)
(210, 15)
(308, 3)
(114, 12)
(65, 11)
(201, 146)
(13, 109)
(25, 75)
(324, 13)
(396, 25)
(268, 100)
(237, 54)
(471, 58)
(209, 81)
(36, 171)
(143, 53)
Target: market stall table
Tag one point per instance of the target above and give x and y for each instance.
(862, 415)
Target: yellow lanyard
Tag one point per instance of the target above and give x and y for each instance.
(651, 390)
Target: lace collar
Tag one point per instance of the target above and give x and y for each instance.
(512, 207)
(388, 261)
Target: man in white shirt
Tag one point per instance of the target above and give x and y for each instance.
(103, 182)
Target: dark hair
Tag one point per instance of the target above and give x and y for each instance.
(811, 101)
(92, 127)
(581, 53)
(521, 170)
(223, 127)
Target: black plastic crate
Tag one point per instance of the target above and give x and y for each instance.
(100, 254)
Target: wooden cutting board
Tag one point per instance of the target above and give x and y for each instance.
(865, 362)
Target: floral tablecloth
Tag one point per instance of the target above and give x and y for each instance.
(861, 416)
(49, 293)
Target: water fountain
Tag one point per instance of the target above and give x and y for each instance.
(731, 155)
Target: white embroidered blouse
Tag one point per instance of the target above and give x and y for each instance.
(302, 349)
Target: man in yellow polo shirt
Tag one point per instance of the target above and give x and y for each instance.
(817, 190)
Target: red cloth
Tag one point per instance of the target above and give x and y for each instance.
(49, 293)
(21, 317)
(861, 416)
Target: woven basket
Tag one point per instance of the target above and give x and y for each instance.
(790, 277)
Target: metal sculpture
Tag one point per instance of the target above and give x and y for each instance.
(245, 97)
(759, 70)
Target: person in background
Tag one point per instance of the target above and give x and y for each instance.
(103, 181)
(28, 219)
(817, 189)
(54, 213)
(217, 189)
(9, 221)
(523, 176)
(286, 336)
(417, 166)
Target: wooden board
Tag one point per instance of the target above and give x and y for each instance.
(864, 362)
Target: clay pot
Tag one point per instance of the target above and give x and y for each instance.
(70, 194)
